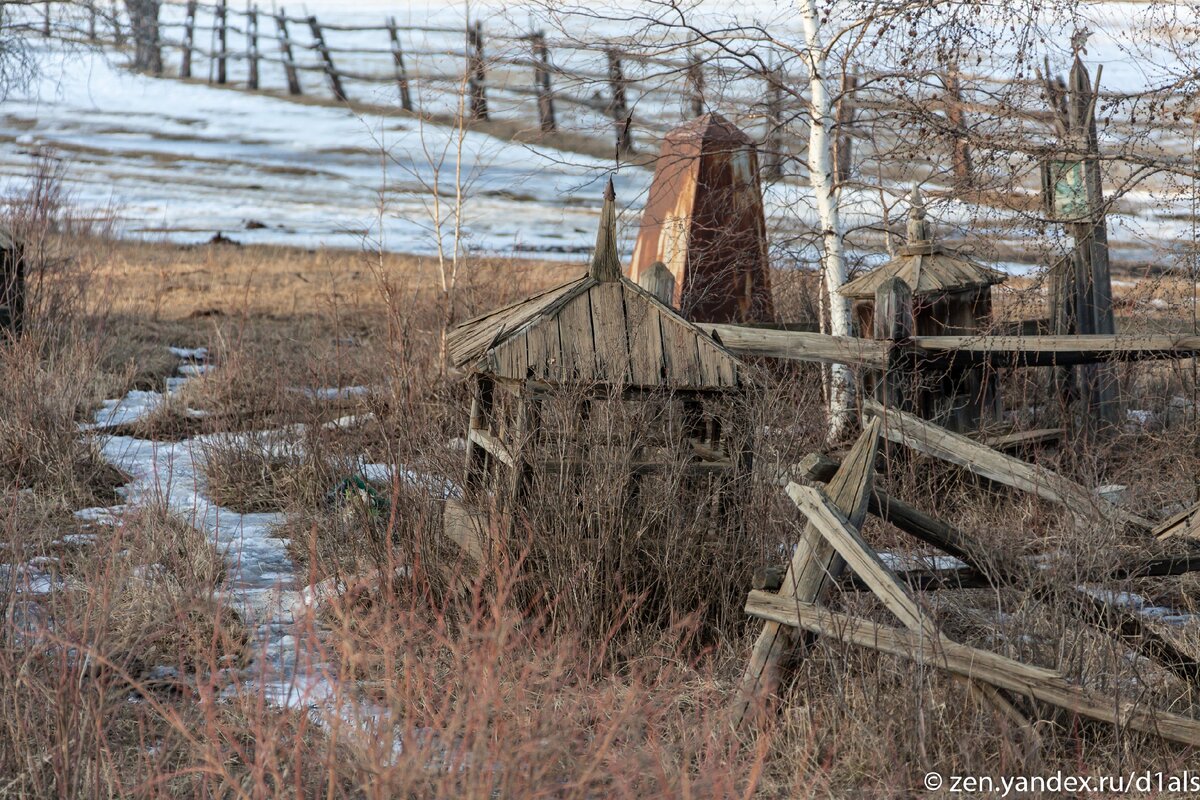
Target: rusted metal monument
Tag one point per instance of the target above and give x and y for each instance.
(928, 290)
(598, 338)
(704, 221)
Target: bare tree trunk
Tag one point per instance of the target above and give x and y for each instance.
(821, 177)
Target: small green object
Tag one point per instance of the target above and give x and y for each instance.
(354, 489)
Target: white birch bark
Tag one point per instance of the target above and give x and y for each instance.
(820, 170)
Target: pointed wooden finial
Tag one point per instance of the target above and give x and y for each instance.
(606, 262)
(918, 228)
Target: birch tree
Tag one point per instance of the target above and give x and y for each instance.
(821, 179)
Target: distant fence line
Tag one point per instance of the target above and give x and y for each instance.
(611, 83)
(557, 84)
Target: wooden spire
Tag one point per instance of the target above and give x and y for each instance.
(918, 228)
(606, 262)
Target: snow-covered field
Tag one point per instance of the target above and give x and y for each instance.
(183, 161)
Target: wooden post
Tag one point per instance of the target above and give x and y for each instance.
(844, 118)
(46, 20)
(482, 403)
(814, 567)
(695, 80)
(335, 80)
(398, 61)
(1082, 282)
(660, 282)
(91, 22)
(252, 47)
(772, 147)
(285, 49)
(618, 104)
(541, 82)
(958, 128)
(893, 323)
(189, 34)
(222, 38)
(118, 34)
(476, 74)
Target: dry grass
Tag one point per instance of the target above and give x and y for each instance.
(595, 658)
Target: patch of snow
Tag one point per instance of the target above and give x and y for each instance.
(190, 353)
(335, 392)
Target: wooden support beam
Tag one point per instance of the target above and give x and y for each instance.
(866, 564)
(1042, 684)
(801, 346)
(948, 351)
(494, 447)
(814, 567)
(1025, 439)
(933, 440)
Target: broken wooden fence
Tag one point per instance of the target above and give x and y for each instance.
(831, 541)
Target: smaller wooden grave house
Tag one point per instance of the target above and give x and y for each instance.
(596, 340)
(951, 295)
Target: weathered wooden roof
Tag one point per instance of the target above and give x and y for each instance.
(598, 328)
(927, 269)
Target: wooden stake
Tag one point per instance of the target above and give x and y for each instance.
(618, 104)
(222, 34)
(398, 61)
(814, 566)
(865, 562)
(285, 49)
(335, 80)
(252, 47)
(189, 33)
(541, 82)
(476, 73)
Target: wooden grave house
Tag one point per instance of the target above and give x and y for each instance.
(598, 338)
(947, 294)
(12, 284)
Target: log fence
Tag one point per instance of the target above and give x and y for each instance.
(558, 83)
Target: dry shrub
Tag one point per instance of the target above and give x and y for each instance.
(44, 389)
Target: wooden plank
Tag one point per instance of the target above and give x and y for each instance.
(575, 333)
(466, 527)
(1045, 351)
(801, 346)
(814, 566)
(933, 440)
(545, 351)
(1030, 351)
(1042, 684)
(492, 445)
(680, 354)
(866, 564)
(1024, 439)
(643, 328)
(609, 333)
(1184, 525)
